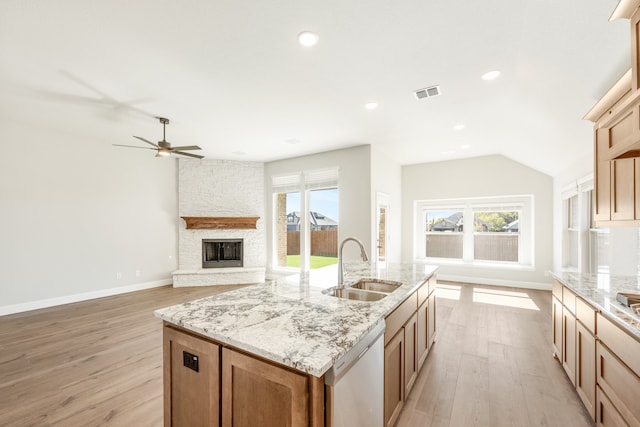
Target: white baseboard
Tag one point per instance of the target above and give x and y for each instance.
(495, 282)
(67, 299)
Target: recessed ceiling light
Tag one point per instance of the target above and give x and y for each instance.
(465, 147)
(307, 38)
(491, 75)
(371, 105)
(458, 127)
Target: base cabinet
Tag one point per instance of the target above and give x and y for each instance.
(409, 335)
(394, 360)
(569, 344)
(606, 413)
(586, 368)
(207, 384)
(255, 393)
(191, 380)
(556, 313)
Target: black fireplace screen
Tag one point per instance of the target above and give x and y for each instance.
(218, 253)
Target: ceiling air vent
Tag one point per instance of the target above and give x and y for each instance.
(427, 92)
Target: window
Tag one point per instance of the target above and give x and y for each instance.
(493, 230)
(305, 219)
(584, 247)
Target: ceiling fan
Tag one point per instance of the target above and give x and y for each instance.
(163, 147)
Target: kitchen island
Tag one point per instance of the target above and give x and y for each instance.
(597, 340)
(284, 328)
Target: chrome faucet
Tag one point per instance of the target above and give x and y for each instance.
(363, 254)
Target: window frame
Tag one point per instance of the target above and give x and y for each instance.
(524, 204)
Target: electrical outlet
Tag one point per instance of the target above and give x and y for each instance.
(119, 275)
(190, 360)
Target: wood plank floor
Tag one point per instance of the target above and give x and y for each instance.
(99, 363)
(492, 364)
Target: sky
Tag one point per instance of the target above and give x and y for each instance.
(321, 201)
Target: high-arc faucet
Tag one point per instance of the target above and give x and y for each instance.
(363, 254)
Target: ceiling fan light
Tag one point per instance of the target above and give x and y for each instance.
(163, 152)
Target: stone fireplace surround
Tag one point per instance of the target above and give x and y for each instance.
(224, 189)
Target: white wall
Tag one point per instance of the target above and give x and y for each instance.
(482, 177)
(77, 211)
(354, 195)
(386, 177)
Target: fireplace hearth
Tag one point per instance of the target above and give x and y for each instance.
(221, 253)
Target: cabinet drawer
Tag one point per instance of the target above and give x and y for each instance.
(569, 300)
(621, 344)
(399, 316)
(606, 413)
(619, 383)
(586, 315)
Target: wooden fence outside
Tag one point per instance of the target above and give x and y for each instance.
(323, 243)
(487, 247)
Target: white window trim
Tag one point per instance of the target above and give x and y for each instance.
(526, 245)
(302, 182)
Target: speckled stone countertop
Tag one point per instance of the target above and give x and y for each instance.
(290, 321)
(600, 290)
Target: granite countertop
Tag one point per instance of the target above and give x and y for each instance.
(290, 321)
(600, 290)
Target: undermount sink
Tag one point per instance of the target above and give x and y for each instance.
(376, 285)
(354, 294)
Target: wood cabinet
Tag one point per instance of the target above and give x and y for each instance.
(606, 413)
(208, 384)
(394, 360)
(586, 367)
(556, 310)
(569, 344)
(409, 334)
(191, 380)
(623, 193)
(410, 353)
(256, 393)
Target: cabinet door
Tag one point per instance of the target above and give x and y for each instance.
(557, 327)
(586, 368)
(619, 383)
(602, 176)
(423, 333)
(191, 380)
(637, 186)
(410, 353)
(393, 378)
(257, 393)
(432, 320)
(623, 189)
(569, 344)
(606, 413)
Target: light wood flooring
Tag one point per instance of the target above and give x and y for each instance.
(99, 363)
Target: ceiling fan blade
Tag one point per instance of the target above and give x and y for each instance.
(187, 154)
(133, 146)
(186, 147)
(144, 140)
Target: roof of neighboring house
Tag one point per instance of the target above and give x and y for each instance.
(512, 226)
(316, 218)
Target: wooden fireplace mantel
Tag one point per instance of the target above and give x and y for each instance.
(220, 222)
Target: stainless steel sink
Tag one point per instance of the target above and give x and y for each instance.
(354, 294)
(376, 285)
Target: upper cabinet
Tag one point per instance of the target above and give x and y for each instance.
(617, 138)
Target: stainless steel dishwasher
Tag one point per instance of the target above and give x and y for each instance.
(357, 383)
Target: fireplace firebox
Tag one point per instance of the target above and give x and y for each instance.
(220, 253)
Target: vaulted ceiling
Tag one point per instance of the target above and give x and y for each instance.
(234, 80)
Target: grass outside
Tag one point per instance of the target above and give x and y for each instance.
(316, 261)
